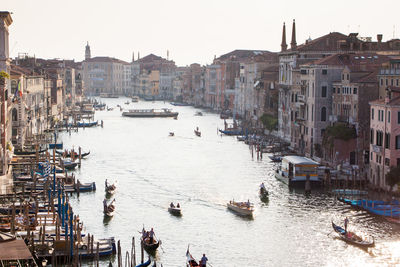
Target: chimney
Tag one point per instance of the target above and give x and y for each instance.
(293, 43)
(133, 56)
(379, 37)
(283, 44)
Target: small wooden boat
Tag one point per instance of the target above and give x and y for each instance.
(25, 152)
(263, 193)
(175, 211)
(150, 247)
(241, 208)
(127, 103)
(352, 238)
(109, 209)
(110, 109)
(197, 132)
(171, 133)
(190, 261)
(135, 99)
(198, 113)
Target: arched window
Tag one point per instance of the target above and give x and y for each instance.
(323, 114)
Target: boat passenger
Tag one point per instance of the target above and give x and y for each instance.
(106, 183)
(346, 221)
(262, 186)
(178, 206)
(172, 205)
(144, 234)
(248, 203)
(105, 204)
(151, 235)
(203, 261)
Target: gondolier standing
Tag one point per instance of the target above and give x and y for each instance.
(203, 261)
(346, 221)
(151, 235)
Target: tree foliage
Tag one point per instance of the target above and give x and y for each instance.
(269, 122)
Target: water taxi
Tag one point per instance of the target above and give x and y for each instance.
(150, 113)
(135, 99)
(241, 208)
(295, 169)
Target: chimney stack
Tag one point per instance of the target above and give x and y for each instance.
(379, 37)
(283, 44)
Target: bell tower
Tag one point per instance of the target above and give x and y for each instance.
(87, 51)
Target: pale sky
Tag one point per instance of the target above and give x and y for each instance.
(192, 30)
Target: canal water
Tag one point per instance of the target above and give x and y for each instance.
(203, 174)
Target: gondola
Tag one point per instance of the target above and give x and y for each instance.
(263, 193)
(150, 247)
(25, 153)
(68, 165)
(190, 261)
(147, 263)
(109, 209)
(110, 189)
(76, 155)
(171, 133)
(353, 238)
(197, 132)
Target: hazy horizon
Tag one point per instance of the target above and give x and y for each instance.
(192, 31)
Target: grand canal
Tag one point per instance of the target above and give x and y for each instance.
(203, 174)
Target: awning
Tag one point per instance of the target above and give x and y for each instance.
(14, 250)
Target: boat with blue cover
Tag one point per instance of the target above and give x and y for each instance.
(353, 238)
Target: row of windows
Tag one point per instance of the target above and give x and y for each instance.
(345, 90)
(392, 82)
(381, 115)
(383, 139)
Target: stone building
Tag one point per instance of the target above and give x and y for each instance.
(385, 136)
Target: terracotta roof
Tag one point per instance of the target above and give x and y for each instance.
(106, 59)
(327, 42)
(355, 62)
(241, 55)
(18, 70)
(151, 58)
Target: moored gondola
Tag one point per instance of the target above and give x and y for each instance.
(68, 154)
(353, 238)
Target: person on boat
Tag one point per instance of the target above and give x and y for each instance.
(203, 261)
(105, 204)
(151, 235)
(248, 203)
(262, 186)
(172, 205)
(178, 206)
(106, 183)
(346, 221)
(144, 234)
